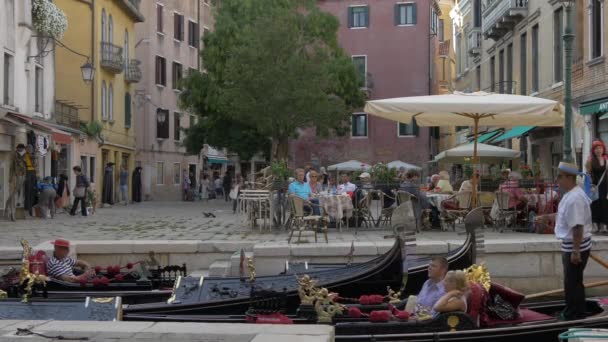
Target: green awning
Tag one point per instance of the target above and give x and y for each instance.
(217, 160)
(604, 117)
(594, 107)
(486, 136)
(514, 132)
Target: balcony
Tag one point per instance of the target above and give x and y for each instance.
(111, 58)
(500, 16)
(133, 72)
(66, 114)
(475, 42)
(444, 49)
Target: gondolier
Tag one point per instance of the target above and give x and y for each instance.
(573, 227)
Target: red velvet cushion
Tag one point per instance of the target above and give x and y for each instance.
(525, 316)
(476, 304)
(509, 295)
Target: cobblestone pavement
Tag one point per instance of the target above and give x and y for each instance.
(183, 221)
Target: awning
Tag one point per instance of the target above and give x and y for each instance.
(514, 133)
(594, 107)
(217, 161)
(58, 135)
(487, 136)
(215, 156)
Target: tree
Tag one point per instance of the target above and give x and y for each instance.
(272, 67)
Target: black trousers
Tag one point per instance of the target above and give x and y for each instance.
(29, 195)
(573, 286)
(83, 207)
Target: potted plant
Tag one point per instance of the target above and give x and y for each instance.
(280, 174)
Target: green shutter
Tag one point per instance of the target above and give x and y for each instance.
(350, 17)
(367, 16)
(353, 125)
(397, 14)
(127, 110)
(414, 13)
(415, 129)
(366, 125)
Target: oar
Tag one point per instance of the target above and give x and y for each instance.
(554, 292)
(599, 260)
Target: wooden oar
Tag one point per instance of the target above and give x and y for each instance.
(554, 292)
(599, 260)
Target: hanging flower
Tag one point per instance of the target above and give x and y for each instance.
(48, 19)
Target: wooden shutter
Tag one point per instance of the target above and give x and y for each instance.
(350, 17)
(181, 28)
(157, 72)
(159, 18)
(397, 15)
(415, 129)
(414, 20)
(175, 25)
(367, 16)
(127, 110)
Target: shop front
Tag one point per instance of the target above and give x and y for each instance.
(598, 110)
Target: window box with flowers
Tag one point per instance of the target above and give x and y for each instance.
(48, 19)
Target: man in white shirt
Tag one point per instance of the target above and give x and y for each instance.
(345, 186)
(573, 227)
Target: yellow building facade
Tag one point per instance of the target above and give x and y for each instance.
(102, 31)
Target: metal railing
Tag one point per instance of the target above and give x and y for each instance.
(496, 10)
(66, 115)
(112, 57)
(133, 72)
(475, 41)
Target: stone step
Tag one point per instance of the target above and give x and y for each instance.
(220, 268)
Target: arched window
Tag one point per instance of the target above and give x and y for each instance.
(111, 102)
(110, 29)
(104, 103)
(104, 37)
(126, 50)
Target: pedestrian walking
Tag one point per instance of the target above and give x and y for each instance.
(124, 184)
(219, 190)
(596, 167)
(185, 185)
(227, 185)
(573, 225)
(107, 196)
(205, 188)
(48, 192)
(63, 192)
(136, 184)
(80, 191)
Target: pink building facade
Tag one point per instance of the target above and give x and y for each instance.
(392, 44)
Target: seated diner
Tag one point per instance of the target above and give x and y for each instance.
(300, 188)
(443, 185)
(346, 187)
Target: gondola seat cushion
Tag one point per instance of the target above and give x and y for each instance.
(509, 295)
(525, 316)
(380, 316)
(476, 304)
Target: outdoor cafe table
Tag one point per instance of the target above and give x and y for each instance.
(437, 198)
(336, 206)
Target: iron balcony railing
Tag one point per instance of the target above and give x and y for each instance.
(475, 41)
(500, 16)
(133, 72)
(112, 58)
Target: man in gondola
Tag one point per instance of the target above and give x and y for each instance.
(433, 288)
(61, 266)
(573, 225)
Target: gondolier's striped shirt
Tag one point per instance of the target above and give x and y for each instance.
(57, 268)
(574, 210)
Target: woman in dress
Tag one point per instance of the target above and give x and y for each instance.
(63, 192)
(205, 188)
(596, 168)
(315, 186)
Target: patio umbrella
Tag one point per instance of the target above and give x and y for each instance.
(351, 165)
(485, 152)
(477, 109)
(397, 164)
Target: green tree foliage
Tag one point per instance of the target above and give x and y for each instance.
(272, 67)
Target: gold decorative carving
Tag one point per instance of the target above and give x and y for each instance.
(307, 290)
(251, 268)
(479, 274)
(393, 297)
(453, 322)
(25, 276)
(103, 300)
(3, 294)
(325, 306)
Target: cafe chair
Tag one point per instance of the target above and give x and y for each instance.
(301, 222)
(450, 216)
(506, 215)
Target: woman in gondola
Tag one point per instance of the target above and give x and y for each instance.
(596, 167)
(455, 298)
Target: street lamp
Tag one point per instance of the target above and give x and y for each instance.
(568, 39)
(88, 72)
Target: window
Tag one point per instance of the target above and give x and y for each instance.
(493, 74)
(558, 47)
(161, 77)
(127, 110)
(596, 28)
(159, 18)
(177, 128)
(111, 102)
(361, 67)
(84, 165)
(110, 29)
(160, 173)
(405, 14)
(477, 17)
(92, 169)
(38, 92)
(433, 22)
(441, 33)
(407, 130)
(193, 34)
(509, 83)
(178, 26)
(358, 16)
(176, 174)
(126, 50)
(104, 101)
(176, 75)
(501, 71)
(535, 58)
(523, 64)
(104, 37)
(459, 54)
(162, 123)
(478, 77)
(359, 125)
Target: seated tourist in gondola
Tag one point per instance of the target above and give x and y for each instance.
(455, 297)
(61, 265)
(433, 289)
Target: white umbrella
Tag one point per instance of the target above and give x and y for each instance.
(351, 165)
(460, 109)
(398, 164)
(485, 152)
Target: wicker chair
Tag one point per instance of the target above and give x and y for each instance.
(300, 222)
(452, 216)
(505, 213)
